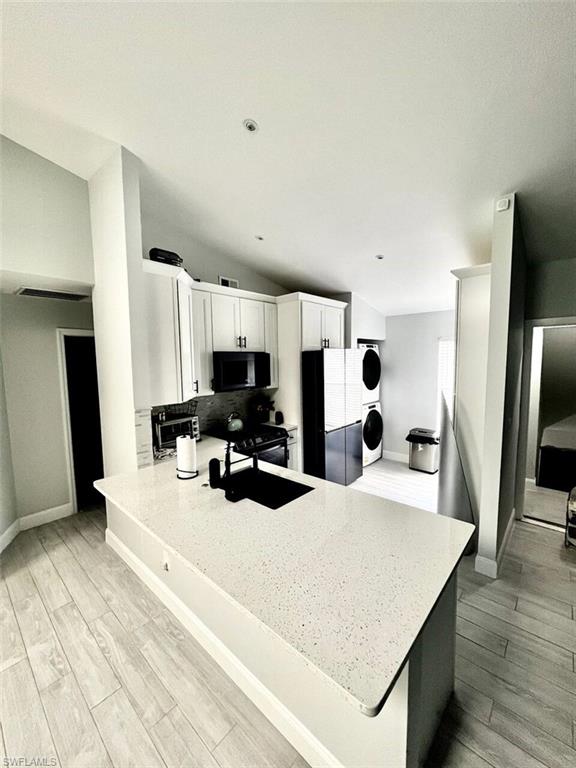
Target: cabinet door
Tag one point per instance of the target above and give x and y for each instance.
(271, 331)
(225, 322)
(185, 325)
(252, 325)
(161, 318)
(311, 326)
(333, 327)
(202, 333)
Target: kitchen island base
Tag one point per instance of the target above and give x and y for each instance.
(313, 713)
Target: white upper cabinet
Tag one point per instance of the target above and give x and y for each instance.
(226, 323)
(185, 322)
(202, 341)
(311, 326)
(322, 326)
(237, 323)
(271, 332)
(333, 327)
(252, 325)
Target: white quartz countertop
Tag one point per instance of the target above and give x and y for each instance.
(346, 578)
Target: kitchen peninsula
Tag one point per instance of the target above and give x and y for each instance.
(335, 613)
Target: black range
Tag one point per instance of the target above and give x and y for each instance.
(269, 442)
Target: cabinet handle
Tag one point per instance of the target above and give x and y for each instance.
(240, 341)
(196, 387)
(244, 337)
(328, 343)
(323, 343)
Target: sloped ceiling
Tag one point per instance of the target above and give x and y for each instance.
(383, 128)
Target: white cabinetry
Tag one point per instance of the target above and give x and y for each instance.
(202, 341)
(160, 315)
(252, 325)
(187, 320)
(322, 326)
(333, 327)
(237, 323)
(226, 322)
(304, 322)
(271, 340)
(189, 384)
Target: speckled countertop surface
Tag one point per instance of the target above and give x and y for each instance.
(346, 578)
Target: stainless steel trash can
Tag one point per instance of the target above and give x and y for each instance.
(424, 450)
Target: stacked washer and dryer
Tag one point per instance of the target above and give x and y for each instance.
(372, 424)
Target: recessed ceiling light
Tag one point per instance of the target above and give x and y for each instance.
(258, 237)
(379, 256)
(250, 125)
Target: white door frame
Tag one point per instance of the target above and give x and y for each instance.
(61, 334)
(529, 325)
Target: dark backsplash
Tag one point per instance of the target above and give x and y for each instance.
(214, 409)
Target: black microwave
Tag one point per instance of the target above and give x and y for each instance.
(240, 370)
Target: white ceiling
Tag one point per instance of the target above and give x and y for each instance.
(384, 128)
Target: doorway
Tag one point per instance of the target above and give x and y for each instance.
(82, 416)
(550, 423)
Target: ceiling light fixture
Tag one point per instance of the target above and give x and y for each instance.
(250, 125)
(379, 256)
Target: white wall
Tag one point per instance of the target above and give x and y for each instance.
(503, 388)
(534, 403)
(46, 219)
(551, 289)
(471, 366)
(200, 260)
(121, 345)
(361, 321)
(410, 374)
(558, 381)
(8, 511)
(31, 375)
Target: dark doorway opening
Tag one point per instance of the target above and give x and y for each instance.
(84, 414)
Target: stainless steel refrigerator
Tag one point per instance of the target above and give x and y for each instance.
(332, 414)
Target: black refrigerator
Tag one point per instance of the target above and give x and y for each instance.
(332, 414)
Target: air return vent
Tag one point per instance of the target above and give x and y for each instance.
(40, 293)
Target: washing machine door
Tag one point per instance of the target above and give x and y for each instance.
(373, 430)
(371, 369)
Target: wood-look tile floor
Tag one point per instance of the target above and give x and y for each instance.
(95, 672)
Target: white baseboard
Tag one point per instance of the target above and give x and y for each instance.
(488, 566)
(33, 521)
(279, 715)
(46, 516)
(394, 456)
(9, 534)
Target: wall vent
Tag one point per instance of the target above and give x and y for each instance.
(229, 282)
(41, 293)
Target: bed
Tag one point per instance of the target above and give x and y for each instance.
(557, 455)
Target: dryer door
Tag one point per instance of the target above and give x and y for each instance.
(371, 372)
(373, 430)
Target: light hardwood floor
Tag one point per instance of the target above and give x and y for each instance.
(395, 480)
(95, 672)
